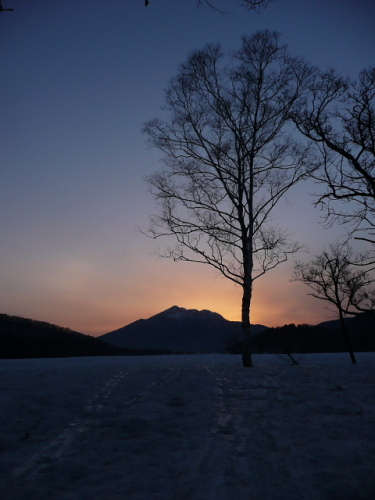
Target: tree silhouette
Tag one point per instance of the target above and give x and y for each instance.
(339, 116)
(229, 160)
(337, 277)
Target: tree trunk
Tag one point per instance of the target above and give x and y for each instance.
(246, 346)
(347, 337)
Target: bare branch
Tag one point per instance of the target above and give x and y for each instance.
(340, 277)
(256, 5)
(339, 117)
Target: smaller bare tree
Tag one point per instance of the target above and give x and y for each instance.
(338, 277)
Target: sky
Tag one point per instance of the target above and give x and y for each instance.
(77, 81)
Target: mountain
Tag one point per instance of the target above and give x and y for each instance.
(27, 338)
(180, 330)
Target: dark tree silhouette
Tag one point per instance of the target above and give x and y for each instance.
(229, 160)
(339, 117)
(336, 276)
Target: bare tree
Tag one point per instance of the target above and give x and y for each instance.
(337, 277)
(256, 4)
(339, 117)
(229, 160)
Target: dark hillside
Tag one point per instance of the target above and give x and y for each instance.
(26, 338)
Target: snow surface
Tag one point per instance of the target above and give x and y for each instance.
(188, 427)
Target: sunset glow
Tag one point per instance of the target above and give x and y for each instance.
(76, 87)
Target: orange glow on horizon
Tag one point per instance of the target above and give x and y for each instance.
(95, 304)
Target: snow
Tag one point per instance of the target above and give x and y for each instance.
(180, 312)
(188, 427)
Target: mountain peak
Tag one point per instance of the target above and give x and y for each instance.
(175, 312)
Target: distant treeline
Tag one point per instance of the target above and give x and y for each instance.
(27, 338)
(306, 338)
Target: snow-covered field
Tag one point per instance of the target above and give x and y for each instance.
(188, 427)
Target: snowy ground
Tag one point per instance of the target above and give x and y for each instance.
(188, 427)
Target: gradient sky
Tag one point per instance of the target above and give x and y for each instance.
(77, 81)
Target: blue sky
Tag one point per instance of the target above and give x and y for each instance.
(78, 80)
